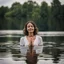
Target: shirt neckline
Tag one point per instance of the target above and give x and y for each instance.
(28, 41)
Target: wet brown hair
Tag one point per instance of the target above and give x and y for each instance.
(25, 28)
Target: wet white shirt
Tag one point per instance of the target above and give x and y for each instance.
(38, 42)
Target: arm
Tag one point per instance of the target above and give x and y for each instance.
(23, 48)
(39, 48)
(40, 44)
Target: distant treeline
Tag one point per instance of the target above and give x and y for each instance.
(47, 18)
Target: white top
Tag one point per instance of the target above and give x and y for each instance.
(37, 43)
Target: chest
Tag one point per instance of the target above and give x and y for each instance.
(31, 39)
(35, 41)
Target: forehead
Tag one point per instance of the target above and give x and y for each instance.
(29, 24)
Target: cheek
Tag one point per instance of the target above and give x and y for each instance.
(28, 29)
(33, 28)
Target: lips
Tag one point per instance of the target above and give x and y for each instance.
(30, 29)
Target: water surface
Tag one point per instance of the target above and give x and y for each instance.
(53, 50)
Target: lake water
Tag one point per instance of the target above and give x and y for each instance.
(53, 50)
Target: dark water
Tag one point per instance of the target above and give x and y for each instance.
(53, 51)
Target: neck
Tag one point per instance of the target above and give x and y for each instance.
(30, 34)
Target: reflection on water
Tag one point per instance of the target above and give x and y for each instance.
(53, 51)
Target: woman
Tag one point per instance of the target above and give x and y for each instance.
(31, 39)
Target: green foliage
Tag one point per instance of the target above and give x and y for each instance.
(3, 10)
(56, 15)
(15, 11)
(15, 5)
(47, 18)
(44, 15)
(24, 10)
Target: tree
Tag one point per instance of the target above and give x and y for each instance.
(30, 9)
(25, 10)
(55, 15)
(44, 14)
(15, 10)
(62, 18)
(3, 10)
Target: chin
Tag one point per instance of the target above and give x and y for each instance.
(31, 31)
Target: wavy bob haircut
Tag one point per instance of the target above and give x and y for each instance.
(25, 28)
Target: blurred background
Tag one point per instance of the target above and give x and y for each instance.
(48, 15)
(49, 18)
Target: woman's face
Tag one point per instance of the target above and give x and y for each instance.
(30, 28)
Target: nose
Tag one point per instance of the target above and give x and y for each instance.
(30, 27)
